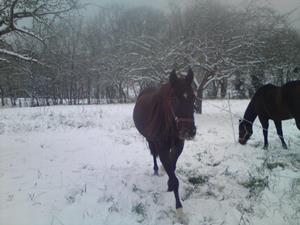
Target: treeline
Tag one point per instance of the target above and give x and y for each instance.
(66, 59)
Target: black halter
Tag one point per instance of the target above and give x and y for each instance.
(180, 119)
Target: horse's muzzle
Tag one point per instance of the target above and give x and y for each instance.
(242, 141)
(187, 134)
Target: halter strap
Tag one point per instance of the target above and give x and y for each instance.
(246, 133)
(184, 120)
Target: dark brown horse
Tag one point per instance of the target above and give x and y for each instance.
(275, 103)
(165, 117)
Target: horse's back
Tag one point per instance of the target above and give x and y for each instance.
(292, 87)
(291, 93)
(278, 103)
(268, 88)
(267, 94)
(147, 92)
(270, 103)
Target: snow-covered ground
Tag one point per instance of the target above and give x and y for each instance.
(88, 165)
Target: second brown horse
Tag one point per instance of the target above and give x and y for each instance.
(275, 103)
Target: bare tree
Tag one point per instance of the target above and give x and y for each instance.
(13, 12)
(123, 49)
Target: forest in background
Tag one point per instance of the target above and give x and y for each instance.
(65, 58)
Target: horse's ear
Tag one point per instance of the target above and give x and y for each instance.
(190, 76)
(173, 78)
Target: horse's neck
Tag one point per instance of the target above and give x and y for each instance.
(164, 95)
(250, 114)
(167, 120)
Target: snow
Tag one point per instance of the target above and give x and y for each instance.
(88, 165)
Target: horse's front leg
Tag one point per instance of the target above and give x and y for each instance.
(175, 152)
(173, 183)
(173, 157)
(265, 124)
(169, 160)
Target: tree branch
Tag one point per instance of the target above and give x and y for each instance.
(19, 56)
(30, 34)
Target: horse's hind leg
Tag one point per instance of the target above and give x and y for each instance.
(298, 123)
(278, 125)
(154, 154)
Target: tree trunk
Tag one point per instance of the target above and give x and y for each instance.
(98, 94)
(71, 92)
(37, 101)
(108, 95)
(223, 84)
(13, 100)
(213, 90)
(32, 102)
(54, 90)
(198, 102)
(2, 96)
(122, 95)
(200, 89)
(134, 91)
(89, 87)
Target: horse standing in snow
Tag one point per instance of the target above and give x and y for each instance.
(275, 103)
(165, 117)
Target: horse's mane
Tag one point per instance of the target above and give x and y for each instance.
(250, 113)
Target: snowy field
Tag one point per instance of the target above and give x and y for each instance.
(88, 165)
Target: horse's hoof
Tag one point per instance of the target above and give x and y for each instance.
(284, 147)
(265, 148)
(181, 216)
(155, 173)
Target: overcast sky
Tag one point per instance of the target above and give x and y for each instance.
(283, 6)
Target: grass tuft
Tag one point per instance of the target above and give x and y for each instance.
(139, 209)
(198, 180)
(274, 165)
(255, 185)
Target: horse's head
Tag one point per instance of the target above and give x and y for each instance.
(182, 104)
(245, 131)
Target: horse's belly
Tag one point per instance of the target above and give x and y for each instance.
(141, 117)
(138, 120)
(281, 115)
